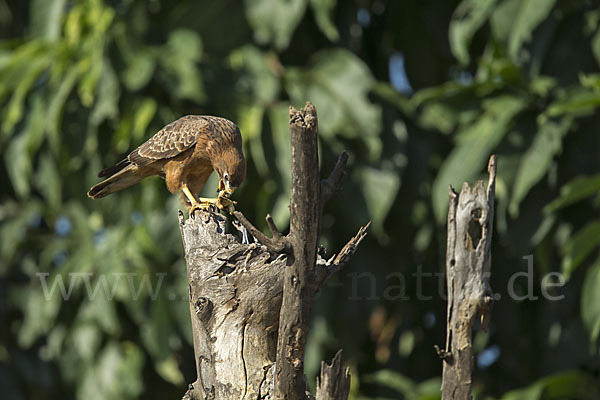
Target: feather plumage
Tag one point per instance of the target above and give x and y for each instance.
(184, 152)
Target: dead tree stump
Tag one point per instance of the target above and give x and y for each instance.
(468, 266)
(251, 295)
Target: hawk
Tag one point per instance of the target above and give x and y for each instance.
(184, 153)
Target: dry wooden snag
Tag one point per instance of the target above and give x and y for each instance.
(251, 295)
(468, 265)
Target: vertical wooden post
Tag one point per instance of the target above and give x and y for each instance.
(468, 264)
(299, 285)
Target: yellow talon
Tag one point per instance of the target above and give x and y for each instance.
(190, 197)
(222, 202)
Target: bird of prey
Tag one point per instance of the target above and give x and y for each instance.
(184, 153)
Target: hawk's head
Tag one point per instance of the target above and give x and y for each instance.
(231, 168)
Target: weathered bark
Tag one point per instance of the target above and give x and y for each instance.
(235, 294)
(468, 264)
(334, 381)
(300, 281)
(250, 303)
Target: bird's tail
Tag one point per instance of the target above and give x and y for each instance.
(124, 177)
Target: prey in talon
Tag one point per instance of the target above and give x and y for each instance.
(225, 190)
(184, 153)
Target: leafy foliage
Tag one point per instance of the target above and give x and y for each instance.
(419, 93)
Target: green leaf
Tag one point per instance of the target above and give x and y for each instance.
(101, 309)
(14, 229)
(439, 116)
(36, 124)
(39, 312)
(393, 380)
(322, 10)
(387, 92)
(73, 24)
(131, 366)
(343, 108)
(441, 92)
(139, 71)
(590, 81)
(445, 114)
(250, 123)
(18, 165)
(181, 54)
(502, 19)
(475, 144)
(564, 385)
(280, 131)
(48, 181)
(143, 114)
(46, 18)
(279, 118)
(513, 22)
(575, 190)
(590, 301)
(321, 336)
(529, 15)
(14, 110)
(157, 329)
(90, 77)
(56, 107)
(595, 44)
(85, 339)
(15, 65)
(572, 384)
(579, 246)
(259, 78)
(542, 85)
(180, 306)
(274, 21)
(379, 190)
(468, 17)
(429, 389)
(117, 374)
(537, 159)
(577, 101)
(169, 370)
(532, 392)
(140, 62)
(107, 100)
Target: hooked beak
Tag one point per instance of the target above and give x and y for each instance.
(228, 189)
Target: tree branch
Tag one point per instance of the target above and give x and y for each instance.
(333, 182)
(272, 227)
(327, 268)
(276, 244)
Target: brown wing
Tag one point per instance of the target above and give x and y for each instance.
(180, 136)
(172, 140)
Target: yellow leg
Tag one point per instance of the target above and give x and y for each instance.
(189, 195)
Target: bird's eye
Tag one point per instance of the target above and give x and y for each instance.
(226, 176)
